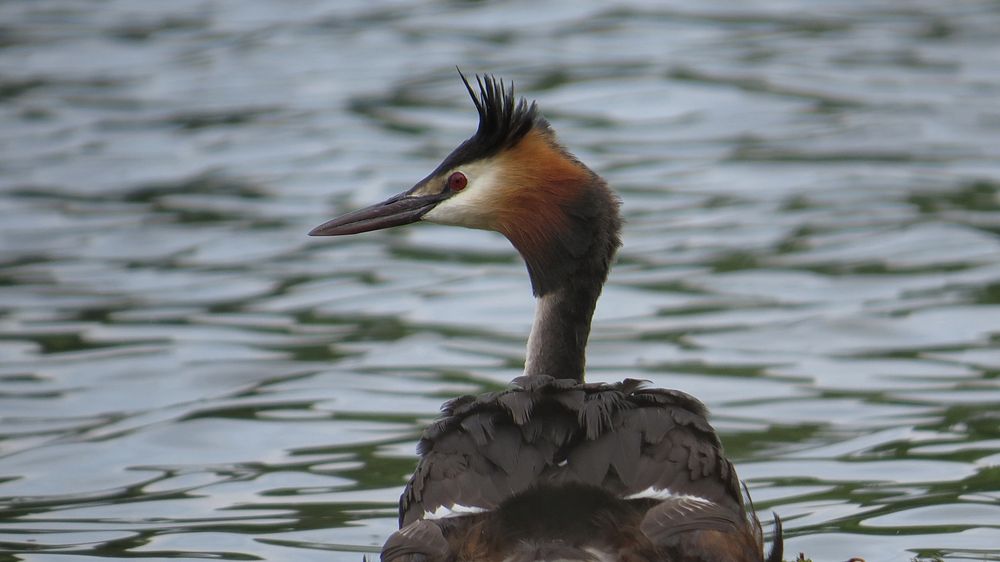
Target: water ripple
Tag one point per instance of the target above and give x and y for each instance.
(813, 208)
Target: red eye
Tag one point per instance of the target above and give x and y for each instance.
(457, 181)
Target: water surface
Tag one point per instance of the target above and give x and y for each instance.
(813, 202)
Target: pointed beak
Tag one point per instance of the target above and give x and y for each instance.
(395, 211)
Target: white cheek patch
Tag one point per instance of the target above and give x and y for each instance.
(473, 207)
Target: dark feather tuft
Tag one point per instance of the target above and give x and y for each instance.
(503, 121)
(503, 118)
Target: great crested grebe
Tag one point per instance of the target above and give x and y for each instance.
(554, 468)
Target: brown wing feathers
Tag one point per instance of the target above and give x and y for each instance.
(621, 439)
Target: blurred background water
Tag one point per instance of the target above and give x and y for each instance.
(813, 202)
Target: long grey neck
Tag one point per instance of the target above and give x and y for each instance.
(567, 281)
(558, 341)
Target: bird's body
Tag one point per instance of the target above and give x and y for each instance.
(554, 468)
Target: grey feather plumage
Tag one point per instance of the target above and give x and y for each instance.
(541, 433)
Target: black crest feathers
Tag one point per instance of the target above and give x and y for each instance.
(504, 120)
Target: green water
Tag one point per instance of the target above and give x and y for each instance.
(812, 195)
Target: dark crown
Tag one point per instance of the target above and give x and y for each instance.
(503, 121)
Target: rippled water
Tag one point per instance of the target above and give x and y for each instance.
(813, 202)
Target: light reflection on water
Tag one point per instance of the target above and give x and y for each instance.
(811, 248)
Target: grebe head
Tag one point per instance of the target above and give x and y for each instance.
(511, 177)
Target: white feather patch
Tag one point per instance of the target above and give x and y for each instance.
(457, 510)
(603, 555)
(664, 494)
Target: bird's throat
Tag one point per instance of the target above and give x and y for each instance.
(563, 311)
(564, 221)
(557, 344)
